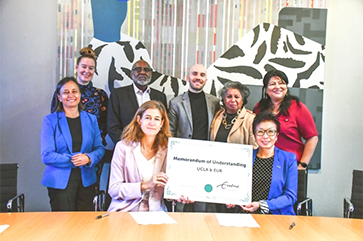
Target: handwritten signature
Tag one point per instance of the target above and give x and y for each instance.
(227, 185)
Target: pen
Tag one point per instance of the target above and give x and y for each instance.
(102, 216)
(291, 226)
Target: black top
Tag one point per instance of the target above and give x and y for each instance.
(223, 133)
(199, 115)
(261, 179)
(76, 133)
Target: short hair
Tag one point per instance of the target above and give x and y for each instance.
(245, 92)
(133, 132)
(265, 116)
(58, 106)
(87, 52)
(140, 60)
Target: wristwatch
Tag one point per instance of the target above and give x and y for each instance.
(303, 164)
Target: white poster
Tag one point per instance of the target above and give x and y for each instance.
(207, 171)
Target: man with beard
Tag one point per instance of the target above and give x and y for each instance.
(125, 101)
(190, 116)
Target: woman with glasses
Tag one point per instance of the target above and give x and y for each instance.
(71, 146)
(274, 173)
(295, 119)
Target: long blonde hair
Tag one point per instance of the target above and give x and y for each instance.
(133, 132)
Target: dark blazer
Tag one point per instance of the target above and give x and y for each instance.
(283, 189)
(56, 149)
(122, 107)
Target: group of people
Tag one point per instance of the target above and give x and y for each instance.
(139, 123)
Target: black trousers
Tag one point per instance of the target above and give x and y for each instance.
(75, 197)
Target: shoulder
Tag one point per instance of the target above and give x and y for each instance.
(51, 117)
(177, 99)
(247, 114)
(288, 156)
(123, 145)
(156, 91)
(298, 108)
(211, 97)
(101, 92)
(85, 114)
(123, 89)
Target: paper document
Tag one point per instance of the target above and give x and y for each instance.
(3, 227)
(145, 218)
(236, 220)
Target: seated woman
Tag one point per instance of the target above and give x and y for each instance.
(71, 146)
(274, 175)
(137, 177)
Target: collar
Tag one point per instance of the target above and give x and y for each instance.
(87, 86)
(137, 90)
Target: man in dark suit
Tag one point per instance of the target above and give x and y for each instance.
(190, 116)
(125, 101)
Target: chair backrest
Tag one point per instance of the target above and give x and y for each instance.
(357, 194)
(302, 190)
(8, 184)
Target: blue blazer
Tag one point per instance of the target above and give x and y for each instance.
(283, 190)
(56, 149)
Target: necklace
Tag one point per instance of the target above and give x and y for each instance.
(224, 121)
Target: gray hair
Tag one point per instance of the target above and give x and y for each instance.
(245, 92)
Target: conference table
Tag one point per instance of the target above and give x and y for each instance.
(190, 226)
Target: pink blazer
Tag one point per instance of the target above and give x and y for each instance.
(125, 180)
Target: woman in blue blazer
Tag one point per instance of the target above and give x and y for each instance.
(71, 146)
(274, 175)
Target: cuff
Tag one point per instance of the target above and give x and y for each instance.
(264, 207)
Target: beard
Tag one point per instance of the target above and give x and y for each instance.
(142, 81)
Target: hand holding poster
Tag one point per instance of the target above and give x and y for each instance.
(208, 171)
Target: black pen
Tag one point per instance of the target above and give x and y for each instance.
(291, 226)
(102, 216)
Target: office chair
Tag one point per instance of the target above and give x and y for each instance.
(353, 207)
(304, 204)
(100, 197)
(8, 189)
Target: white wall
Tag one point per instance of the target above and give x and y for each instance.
(342, 144)
(27, 71)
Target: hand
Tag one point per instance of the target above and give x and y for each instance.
(80, 160)
(184, 200)
(251, 207)
(230, 205)
(160, 179)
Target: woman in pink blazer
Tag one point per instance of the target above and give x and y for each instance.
(137, 177)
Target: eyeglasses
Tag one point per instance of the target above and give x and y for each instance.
(269, 132)
(139, 69)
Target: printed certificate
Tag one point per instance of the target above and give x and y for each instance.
(208, 171)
